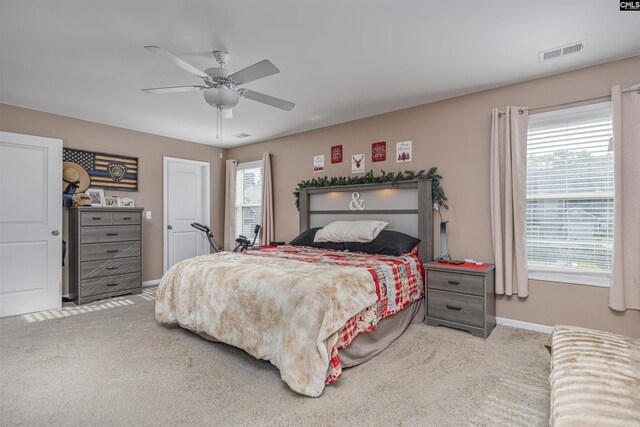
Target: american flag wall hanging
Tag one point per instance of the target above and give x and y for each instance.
(108, 171)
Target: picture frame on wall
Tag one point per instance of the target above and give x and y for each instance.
(357, 163)
(336, 154)
(403, 152)
(97, 196)
(112, 201)
(126, 202)
(379, 151)
(318, 163)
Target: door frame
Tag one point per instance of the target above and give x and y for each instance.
(206, 188)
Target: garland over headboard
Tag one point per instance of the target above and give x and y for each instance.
(368, 178)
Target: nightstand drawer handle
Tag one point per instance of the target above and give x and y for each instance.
(112, 268)
(112, 234)
(453, 307)
(126, 217)
(112, 284)
(112, 251)
(96, 218)
(453, 282)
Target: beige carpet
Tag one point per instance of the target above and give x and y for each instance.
(110, 363)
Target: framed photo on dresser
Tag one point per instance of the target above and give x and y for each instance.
(97, 196)
(126, 202)
(112, 201)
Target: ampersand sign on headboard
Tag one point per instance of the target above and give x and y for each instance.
(356, 204)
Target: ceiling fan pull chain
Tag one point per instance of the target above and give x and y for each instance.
(217, 123)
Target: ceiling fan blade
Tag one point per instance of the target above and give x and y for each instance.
(174, 89)
(227, 113)
(267, 99)
(253, 72)
(177, 61)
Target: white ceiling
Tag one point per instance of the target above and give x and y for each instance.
(339, 61)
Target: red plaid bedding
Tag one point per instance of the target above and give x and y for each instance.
(399, 282)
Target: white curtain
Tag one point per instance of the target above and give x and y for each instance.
(266, 220)
(508, 199)
(230, 206)
(624, 292)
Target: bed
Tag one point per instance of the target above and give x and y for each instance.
(595, 378)
(311, 311)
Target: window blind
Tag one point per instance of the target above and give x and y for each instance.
(570, 191)
(248, 198)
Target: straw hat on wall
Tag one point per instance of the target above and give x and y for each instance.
(73, 173)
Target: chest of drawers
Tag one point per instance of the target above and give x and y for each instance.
(461, 298)
(105, 252)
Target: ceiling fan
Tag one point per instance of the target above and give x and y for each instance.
(220, 88)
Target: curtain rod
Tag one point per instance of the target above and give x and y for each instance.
(561, 104)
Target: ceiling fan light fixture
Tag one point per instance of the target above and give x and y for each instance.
(221, 97)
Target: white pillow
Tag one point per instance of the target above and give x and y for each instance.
(350, 231)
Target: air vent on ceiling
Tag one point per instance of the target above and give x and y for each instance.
(242, 135)
(557, 52)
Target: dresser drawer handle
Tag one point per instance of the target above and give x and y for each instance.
(112, 268)
(112, 284)
(112, 251)
(453, 307)
(453, 282)
(112, 234)
(96, 218)
(126, 217)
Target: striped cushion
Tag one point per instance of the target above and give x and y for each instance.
(595, 378)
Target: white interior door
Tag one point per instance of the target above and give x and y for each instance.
(186, 191)
(30, 223)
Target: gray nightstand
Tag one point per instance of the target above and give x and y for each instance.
(461, 298)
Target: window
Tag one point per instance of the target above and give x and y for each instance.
(248, 198)
(570, 195)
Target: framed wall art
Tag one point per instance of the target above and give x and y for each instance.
(336, 154)
(403, 152)
(357, 163)
(106, 171)
(318, 163)
(379, 151)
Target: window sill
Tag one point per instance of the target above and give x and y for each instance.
(572, 279)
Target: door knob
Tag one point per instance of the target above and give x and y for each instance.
(169, 227)
(55, 232)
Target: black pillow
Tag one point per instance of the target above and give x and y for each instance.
(306, 239)
(387, 243)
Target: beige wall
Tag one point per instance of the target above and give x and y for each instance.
(454, 136)
(150, 150)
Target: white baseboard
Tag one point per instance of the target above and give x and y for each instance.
(150, 283)
(524, 325)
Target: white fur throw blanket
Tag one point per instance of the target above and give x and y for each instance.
(595, 378)
(285, 311)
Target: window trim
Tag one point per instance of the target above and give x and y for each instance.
(240, 167)
(566, 276)
(249, 165)
(570, 278)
